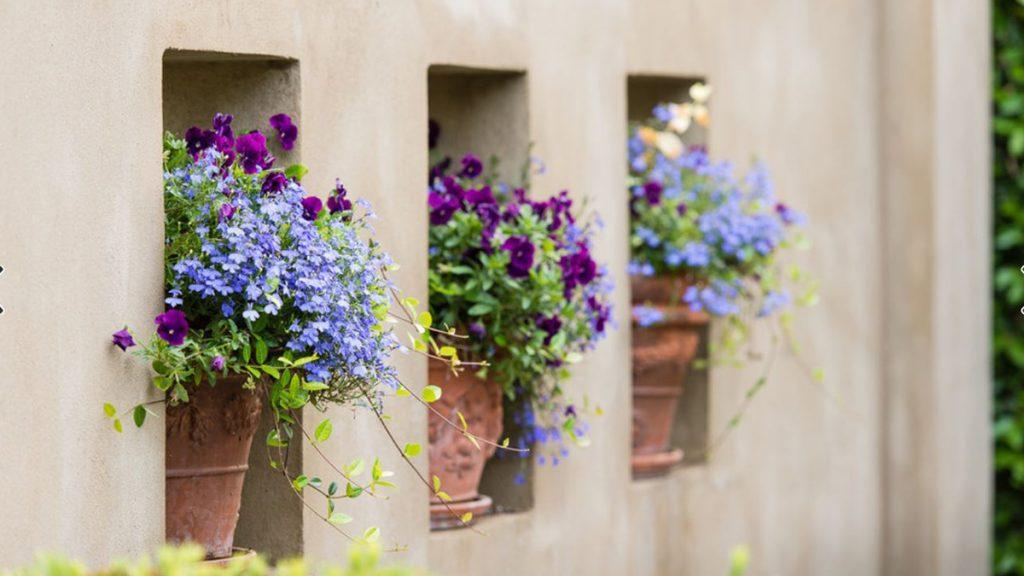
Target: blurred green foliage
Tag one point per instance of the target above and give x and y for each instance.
(363, 560)
(1008, 284)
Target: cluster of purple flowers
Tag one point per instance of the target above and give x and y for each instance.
(518, 274)
(450, 194)
(264, 257)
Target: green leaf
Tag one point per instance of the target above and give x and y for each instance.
(296, 171)
(300, 482)
(355, 468)
(479, 309)
(314, 386)
(466, 517)
(117, 425)
(352, 491)
(431, 394)
(180, 392)
(261, 351)
(447, 351)
(375, 472)
(372, 534)
(139, 415)
(412, 449)
(274, 439)
(323, 431)
(425, 319)
(332, 489)
(437, 484)
(339, 518)
(109, 410)
(443, 496)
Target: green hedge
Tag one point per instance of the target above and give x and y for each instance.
(1008, 284)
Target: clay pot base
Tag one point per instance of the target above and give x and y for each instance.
(657, 464)
(441, 518)
(239, 554)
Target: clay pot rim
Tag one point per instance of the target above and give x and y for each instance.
(678, 316)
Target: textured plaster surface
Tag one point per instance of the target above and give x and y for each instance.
(871, 115)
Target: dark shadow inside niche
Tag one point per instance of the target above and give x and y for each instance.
(196, 85)
(486, 112)
(690, 427)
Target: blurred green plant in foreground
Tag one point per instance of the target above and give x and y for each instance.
(363, 560)
(739, 559)
(1008, 284)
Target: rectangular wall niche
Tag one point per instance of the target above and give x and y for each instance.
(690, 428)
(196, 85)
(485, 112)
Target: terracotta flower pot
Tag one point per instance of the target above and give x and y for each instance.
(662, 354)
(208, 441)
(453, 458)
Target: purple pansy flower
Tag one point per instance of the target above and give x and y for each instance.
(479, 196)
(222, 125)
(652, 191)
(274, 183)
(442, 207)
(197, 140)
(477, 330)
(217, 364)
(521, 256)
(252, 148)
(311, 207)
(471, 166)
(287, 132)
(551, 325)
(227, 210)
(123, 339)
(172, 326)
(681, 209)
(338, 201)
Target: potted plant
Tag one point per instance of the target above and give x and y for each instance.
(516, 275)
(274, 301)
(705, 244)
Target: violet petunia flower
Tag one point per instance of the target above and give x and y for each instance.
(521, 256)
(172, 326)
(287, 132)
(252, 148)
(123, 339)
(681, 209)
(471, 166)
(217, 364)
(311, 207)
(481, 196)
(274, 183)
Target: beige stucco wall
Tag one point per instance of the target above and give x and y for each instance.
(872, 117)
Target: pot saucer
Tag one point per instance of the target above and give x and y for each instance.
(441, 518)
(657, 464)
